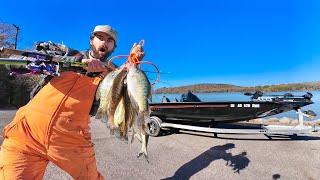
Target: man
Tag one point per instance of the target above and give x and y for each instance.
(53, 126)
(102, 45)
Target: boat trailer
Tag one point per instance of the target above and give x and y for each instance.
(156, 124)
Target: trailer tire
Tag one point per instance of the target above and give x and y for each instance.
(154, 126)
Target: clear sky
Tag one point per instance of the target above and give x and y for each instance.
(237, 42)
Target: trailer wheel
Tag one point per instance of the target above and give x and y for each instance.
(154, 126)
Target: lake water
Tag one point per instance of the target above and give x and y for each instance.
(239, 96)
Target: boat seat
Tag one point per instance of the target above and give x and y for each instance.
(175, 100)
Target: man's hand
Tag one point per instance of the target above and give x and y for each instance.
(94, 65)
(137, 52)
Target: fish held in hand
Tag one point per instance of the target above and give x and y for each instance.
(139, 91)
(115, 95)
(102, 93)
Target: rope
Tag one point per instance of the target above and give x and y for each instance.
(132, 59)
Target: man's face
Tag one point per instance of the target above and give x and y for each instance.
(102, 44)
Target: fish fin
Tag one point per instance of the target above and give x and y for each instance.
(98, 94)
(131, 109)
(123, 129)
(144, 145)
(116, 94)
(132, 135)
(150, 93)
(99, 89)
(141, 122)
(104, 119)
(138, 136)
(118, 134)
(119, 115)
(99, 114)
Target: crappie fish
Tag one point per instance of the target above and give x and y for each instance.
(124, 116)
(123, 96)
(115, 95)
(139, 91)
(102, 93)
(120, 124)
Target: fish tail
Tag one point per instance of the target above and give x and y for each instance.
(99, 114)
(111, 122)
(132, 136)
(146, 120)
(123, 129)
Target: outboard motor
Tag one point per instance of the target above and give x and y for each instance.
(308, 96)
(189, 97)
(254, 95)
(257, 94)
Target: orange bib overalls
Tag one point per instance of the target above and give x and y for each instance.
(53, 126)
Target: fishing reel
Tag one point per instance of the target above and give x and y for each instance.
(37, 67)
(51, 48)
(43, 60)
(40, 67)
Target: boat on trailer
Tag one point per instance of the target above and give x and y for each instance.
(192, 114)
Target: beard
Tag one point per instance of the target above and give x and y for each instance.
(101, 52)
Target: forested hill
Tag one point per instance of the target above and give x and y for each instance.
(205, 88)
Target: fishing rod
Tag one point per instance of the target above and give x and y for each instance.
(159, 81)
(146, 71)
(39, 63)
(52, 58)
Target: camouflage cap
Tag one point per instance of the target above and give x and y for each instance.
(108, 30)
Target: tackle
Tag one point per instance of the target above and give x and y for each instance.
(124, 100)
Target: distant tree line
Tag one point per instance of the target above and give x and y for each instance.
(7, 35)
(14, 91)
(207, 88)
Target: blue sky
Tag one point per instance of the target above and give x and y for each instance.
(222, 41)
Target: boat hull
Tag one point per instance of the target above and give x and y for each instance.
(211, 112)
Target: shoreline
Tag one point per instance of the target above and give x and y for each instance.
(214, 87)
(222, 91)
